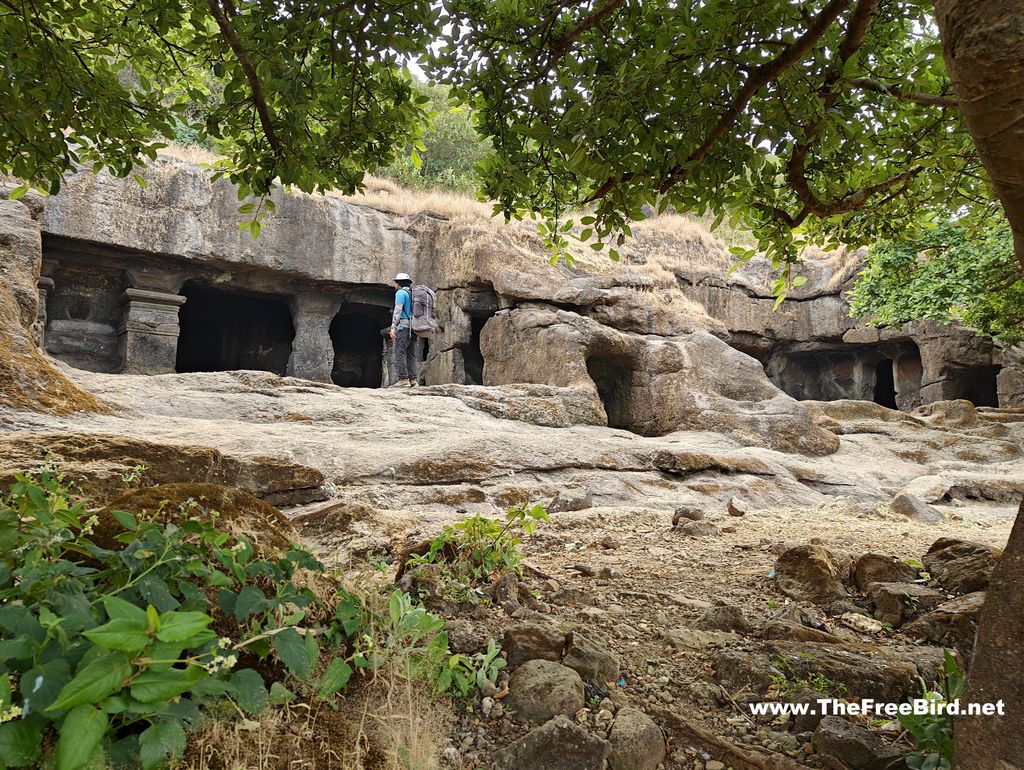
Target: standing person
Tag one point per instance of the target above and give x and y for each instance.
(401, 333)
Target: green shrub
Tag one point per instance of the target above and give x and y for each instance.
(481, 548)
(116, 654)
(933, 733)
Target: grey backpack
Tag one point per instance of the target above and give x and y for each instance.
(424, 311)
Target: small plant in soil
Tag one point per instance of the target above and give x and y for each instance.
(789, 682)
(480, 549)
(933, 733)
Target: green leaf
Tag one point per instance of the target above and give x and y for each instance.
(291, 650)
(334, 678)
(249, 690)
(80, 734)
(120, 634)
(118, 609)
(105, 675)
(126, 520)
(181, 626)
(141, 181)
(250, 601)
(18, 192)
(20, 742)
(153, 686)
(160, 741)
(280, 695)
(41, 684)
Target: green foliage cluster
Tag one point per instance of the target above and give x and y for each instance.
(797, 121)
(119, 652)
(948, 273)
(309, 95)
(933, 733)
(449, 151)
(481, 548)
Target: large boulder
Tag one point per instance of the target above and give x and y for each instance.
(99, 463)
(590, 657)
(914, 508)
(637, 742)
(896, 603)
(951, 624)
(875, 568)
(960, 566)
(855, 746)
(533, 641)
(647, 384)
(811, 573)
(557, 745)
(541, 689)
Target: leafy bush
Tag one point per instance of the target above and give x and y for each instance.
(947, 274)
(449, 150)
(118, 653)
(480, 548)
(933, 733)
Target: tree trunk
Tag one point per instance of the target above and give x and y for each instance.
(997, 673)
(983, 44)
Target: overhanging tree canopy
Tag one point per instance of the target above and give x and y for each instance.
(834, 118)
(306, 93)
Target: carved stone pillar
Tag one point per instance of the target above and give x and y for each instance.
(312, 356)
(39, 327)
(148, 335)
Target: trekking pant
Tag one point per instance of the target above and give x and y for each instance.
(405, 354)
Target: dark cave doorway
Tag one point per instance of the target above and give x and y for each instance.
(977, 384)
(610, 374)
(473, 356)
(225, 330)
(359, 345)
(885, 384)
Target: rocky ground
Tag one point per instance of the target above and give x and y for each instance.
(680, 577)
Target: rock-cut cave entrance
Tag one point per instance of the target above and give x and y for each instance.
(223, 330)
(611, 374)
(473, 356)
(978, 384)
(885, 383)
(359, 345)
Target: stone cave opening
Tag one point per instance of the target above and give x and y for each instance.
(359, 345)
(885, 383)
(977, 384)
(473, 356)
(610, 374)
(223, 330)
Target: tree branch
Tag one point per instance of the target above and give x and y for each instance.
(929, 100)
(258, 99)
(593, 20)
(797, 178)
(757, 79)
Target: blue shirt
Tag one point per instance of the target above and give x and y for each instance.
(403, 300)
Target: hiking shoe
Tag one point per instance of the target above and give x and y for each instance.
(413, 384)
(400, 384)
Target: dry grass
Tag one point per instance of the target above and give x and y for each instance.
(189, 153)
(385, 195)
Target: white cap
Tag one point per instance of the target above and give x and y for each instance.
(403, 277)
